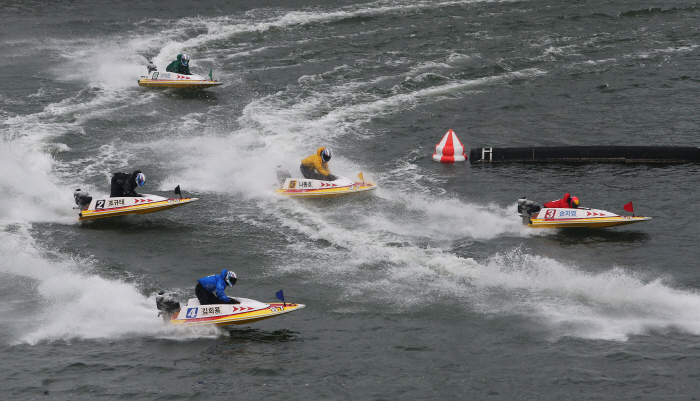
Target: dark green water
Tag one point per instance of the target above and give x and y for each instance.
(430, 288)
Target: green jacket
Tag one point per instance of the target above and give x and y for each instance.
(176, 66)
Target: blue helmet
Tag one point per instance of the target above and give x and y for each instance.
(140, 179)
(231, 278)
(185, 59)
(326, 155)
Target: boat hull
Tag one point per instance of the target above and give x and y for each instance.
(178, 84)
(248, 311)
(580, 217)
(306, 188)
(113, 207)
(589, 223)
(158, 79)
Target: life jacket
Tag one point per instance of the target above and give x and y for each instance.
(316, 162)
(563, 203)
(216, 285)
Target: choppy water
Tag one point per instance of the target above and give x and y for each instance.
(428, 289)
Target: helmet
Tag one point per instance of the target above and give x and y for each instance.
(574, 201)
(185, 59)
(326, 155)
(140, 179)
(231, 278)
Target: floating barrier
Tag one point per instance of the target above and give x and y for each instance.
(587, 154)
(450, 149)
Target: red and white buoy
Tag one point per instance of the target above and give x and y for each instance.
(450, 149)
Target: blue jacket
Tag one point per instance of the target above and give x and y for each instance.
(216, 285)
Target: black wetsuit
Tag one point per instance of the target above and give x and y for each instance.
(124, 185)
(207, 298)
(312, 174)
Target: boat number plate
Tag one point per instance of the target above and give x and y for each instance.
(191, 313)
(174, 200)
(273, 309)
(100, 204)
(211, 311)
(155, 75)
(550, 213)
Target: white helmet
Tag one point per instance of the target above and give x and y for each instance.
(326, 155)
(140, 179)
(185, 59)
(231, 278)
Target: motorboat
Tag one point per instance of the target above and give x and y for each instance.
(311, 188)
(194, 314)
(98, 208)
(535, 216)
(157, 79)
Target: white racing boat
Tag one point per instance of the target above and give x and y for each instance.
(157, 79)
(534, 215)
(99, 208)
(194, 314)
(309, 188)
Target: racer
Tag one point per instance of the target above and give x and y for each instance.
(316, 166)
(181, 65)
(210, 289)
(567, 202)
(125, 184)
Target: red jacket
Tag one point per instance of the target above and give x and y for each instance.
(564, 203)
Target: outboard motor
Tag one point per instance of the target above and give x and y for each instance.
(526, 208)
(82, 199)
(151, 67)
(282, 174)
(167, 305)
